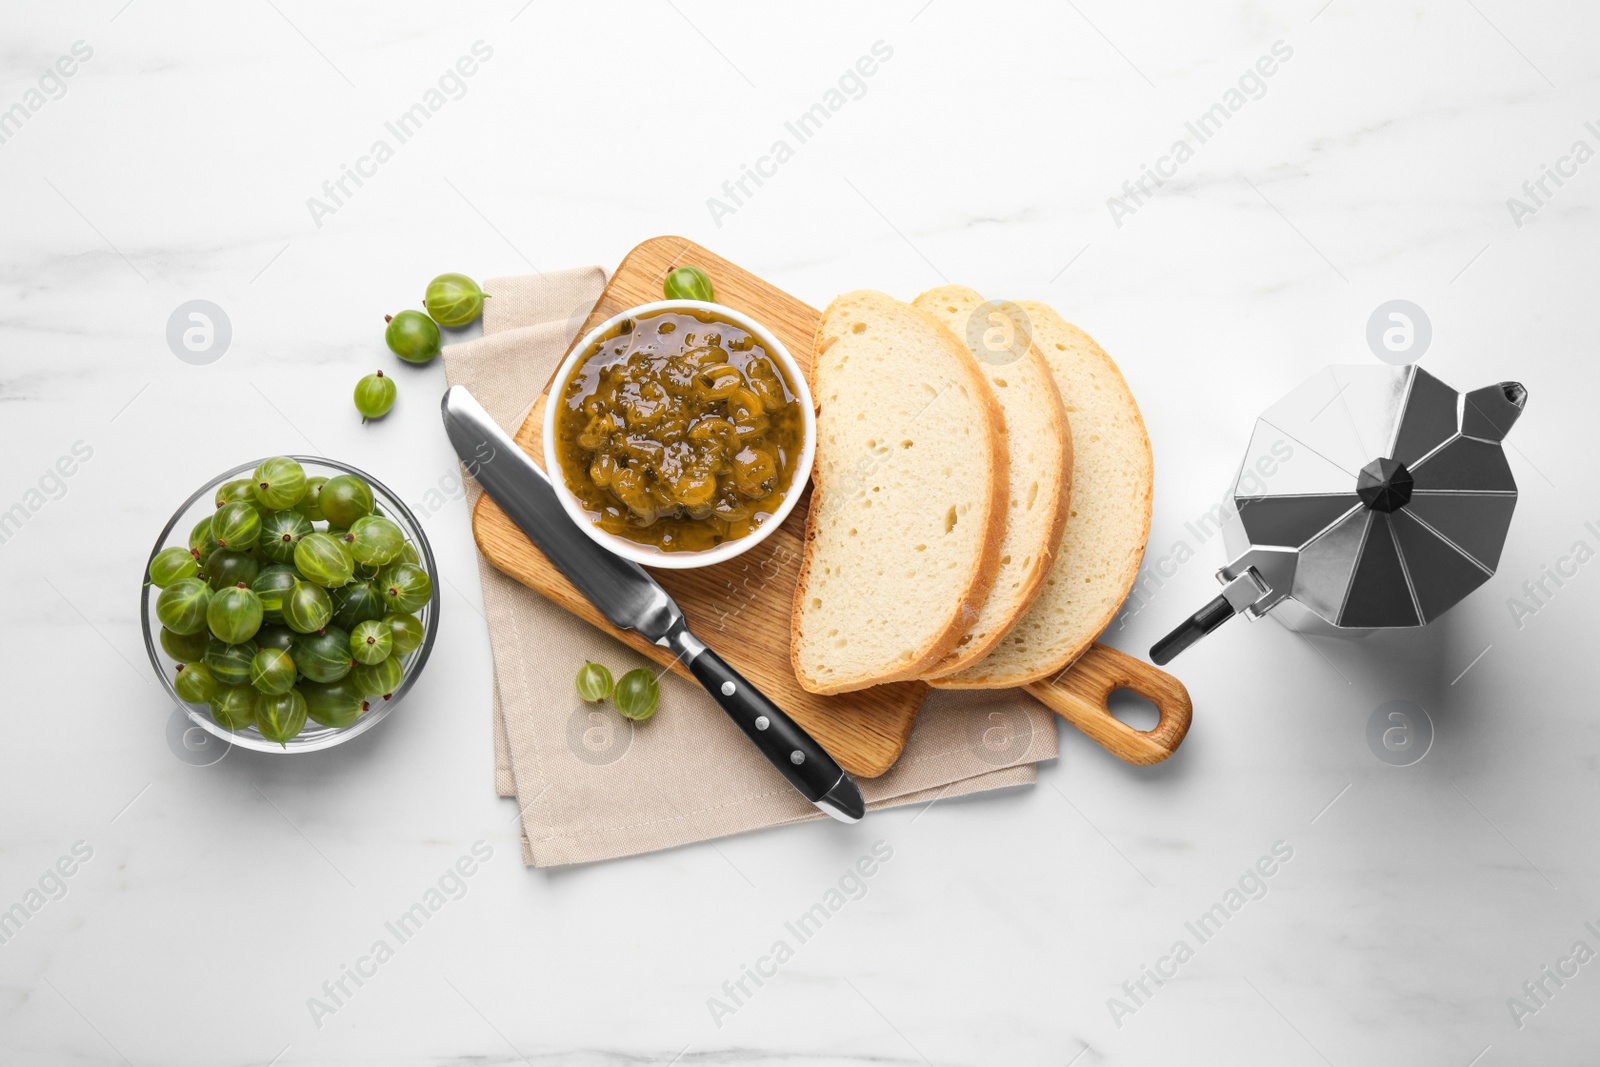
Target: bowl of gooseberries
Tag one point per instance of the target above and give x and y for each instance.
(290, 604)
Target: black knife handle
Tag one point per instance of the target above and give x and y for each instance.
(789, 748)
(1202, 622)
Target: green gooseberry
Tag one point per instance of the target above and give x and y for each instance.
(181, 607)
(375, 540)
(272, 585)
(408, 552)
(378, 679)
(405, 587)
(234, 614)
(279, 483)
(281, 716)
(374, 396)
(688, 283)
(594, 682)
(310, 505)
(195, 683)
(307, 608)
(234, 707)
(225, 567)
(276, 635)
(201, 543)
(344, 499)
(281, 531)
(371, 642)
(238, 489)
(322, 558)
(356, 603)
(412, 336)
(637, 694)
(185, 648)
(453, 300)
(272, 671)
(236, 525)
(325, 655)
(406, 632)
(336, 704)
(229, 663)
(172, 563)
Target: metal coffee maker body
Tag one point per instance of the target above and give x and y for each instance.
(1370, 498)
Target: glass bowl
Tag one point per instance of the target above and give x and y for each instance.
(314, 736)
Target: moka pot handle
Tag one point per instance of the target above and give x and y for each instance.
(1247, 589)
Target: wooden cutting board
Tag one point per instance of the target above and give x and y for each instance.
(742, 608)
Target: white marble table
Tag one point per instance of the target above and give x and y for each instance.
(207, 905)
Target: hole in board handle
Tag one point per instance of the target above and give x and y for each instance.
(1133, 710)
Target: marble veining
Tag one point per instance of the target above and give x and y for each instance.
(1423, 904)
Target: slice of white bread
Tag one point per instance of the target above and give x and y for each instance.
(1040, 451)
(1108, 519)
(908, 505)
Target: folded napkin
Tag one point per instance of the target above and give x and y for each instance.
(589, 784)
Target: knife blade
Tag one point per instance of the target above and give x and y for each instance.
(632, 600)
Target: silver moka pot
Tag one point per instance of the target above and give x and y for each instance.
(1370, 497)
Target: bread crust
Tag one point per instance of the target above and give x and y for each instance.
(999, 677)
(983, 575)
(1033, 581)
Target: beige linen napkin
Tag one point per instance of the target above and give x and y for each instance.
(589, 784)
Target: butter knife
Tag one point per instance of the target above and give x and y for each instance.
(632, 600)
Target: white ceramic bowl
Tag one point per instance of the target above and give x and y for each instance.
(648, 555)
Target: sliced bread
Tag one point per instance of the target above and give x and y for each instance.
(1108, 519)
(908, 505)
(1040, 452)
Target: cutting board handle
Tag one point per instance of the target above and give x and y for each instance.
(1078, 694)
